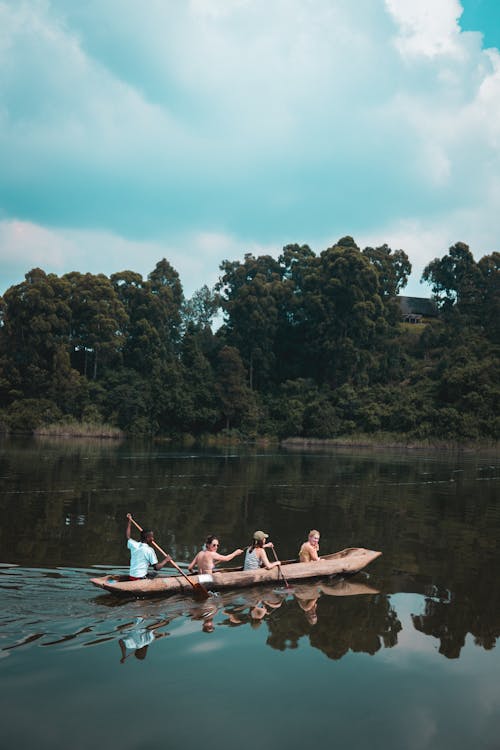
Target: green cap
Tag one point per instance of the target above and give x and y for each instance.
(260, 536)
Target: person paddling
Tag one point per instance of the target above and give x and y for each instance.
(209, 555)
(255, 556)
(142, 554)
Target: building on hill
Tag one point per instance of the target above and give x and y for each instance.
(417, 309)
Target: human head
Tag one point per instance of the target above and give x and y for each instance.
(147, 536)
(314, 535)
(312, 617)
(259, 537)
(211, 542)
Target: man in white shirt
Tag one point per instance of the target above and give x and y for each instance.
(142, 554)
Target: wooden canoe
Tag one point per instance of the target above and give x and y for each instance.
(347, 561)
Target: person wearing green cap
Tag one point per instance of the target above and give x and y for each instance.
(255, 555)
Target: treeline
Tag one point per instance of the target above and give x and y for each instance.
(310, 346)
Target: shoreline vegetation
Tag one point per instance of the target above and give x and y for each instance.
(80, 430)
(313, 350)
(379, 441)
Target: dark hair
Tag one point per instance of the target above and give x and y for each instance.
(144, 534)
(256, 543)
(209, 539)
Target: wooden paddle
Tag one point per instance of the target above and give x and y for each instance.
(198, 588)
(280, 569)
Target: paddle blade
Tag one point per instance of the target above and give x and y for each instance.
(200, 591)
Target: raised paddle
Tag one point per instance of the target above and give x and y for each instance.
(198, 588)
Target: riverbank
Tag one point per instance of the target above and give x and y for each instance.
(390, 440)
(227, 438)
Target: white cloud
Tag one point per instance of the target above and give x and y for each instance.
(427, 27)
(205, 129)
(195, 255)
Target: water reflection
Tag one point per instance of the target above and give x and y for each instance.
(56, 609)
(451, 618)
(139, 636)
(435, 517)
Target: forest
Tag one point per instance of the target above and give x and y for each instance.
(310, 346)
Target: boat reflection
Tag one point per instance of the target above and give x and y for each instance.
(261, 604)
(336, 618)
(51, 609)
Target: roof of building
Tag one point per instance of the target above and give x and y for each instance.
(418, 306)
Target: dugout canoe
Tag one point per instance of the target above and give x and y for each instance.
(348, 561)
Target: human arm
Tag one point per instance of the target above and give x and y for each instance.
(313, 552)
(265, 560)
(151, 558)
(193, 564)
(160, 565)
(225, 558)
(129, 526)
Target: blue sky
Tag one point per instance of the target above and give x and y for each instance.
(198, 130)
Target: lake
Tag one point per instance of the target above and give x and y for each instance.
(401, 655)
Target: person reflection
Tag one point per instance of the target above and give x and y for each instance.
(252, 613)
(307, 597)
(137, 640)
(309, 607)
(207, 613)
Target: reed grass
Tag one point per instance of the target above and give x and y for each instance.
(80, 429)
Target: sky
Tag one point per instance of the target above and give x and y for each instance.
(201, 130)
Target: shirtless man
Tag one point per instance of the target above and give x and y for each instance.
(208, 557)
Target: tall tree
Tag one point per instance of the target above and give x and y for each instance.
(235, 397)
(201, 308)
(35, 335)
(165, 285)
(344, 314)
(98, 321)
(250, 297)
(393, 268)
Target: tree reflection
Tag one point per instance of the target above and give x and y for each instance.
(435, 518)
(450, 619)
(340, 623)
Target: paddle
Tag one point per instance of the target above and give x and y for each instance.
(198, 588)
(280, 569)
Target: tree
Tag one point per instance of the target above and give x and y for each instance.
(235, 397)
(201, 309)
(343, 313)
(250, 294)
(200, 412)
(98, 321)
(35, 331)
(165, 285)
(393, 268)
(455, 279)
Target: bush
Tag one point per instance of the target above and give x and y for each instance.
(26, 415)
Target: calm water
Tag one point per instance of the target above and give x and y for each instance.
(402, 655)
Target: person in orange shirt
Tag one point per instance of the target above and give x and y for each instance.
(310, 549)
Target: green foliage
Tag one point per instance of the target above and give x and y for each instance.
(311, 346)
(26, 415)
(201, 309)
(237, 402)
